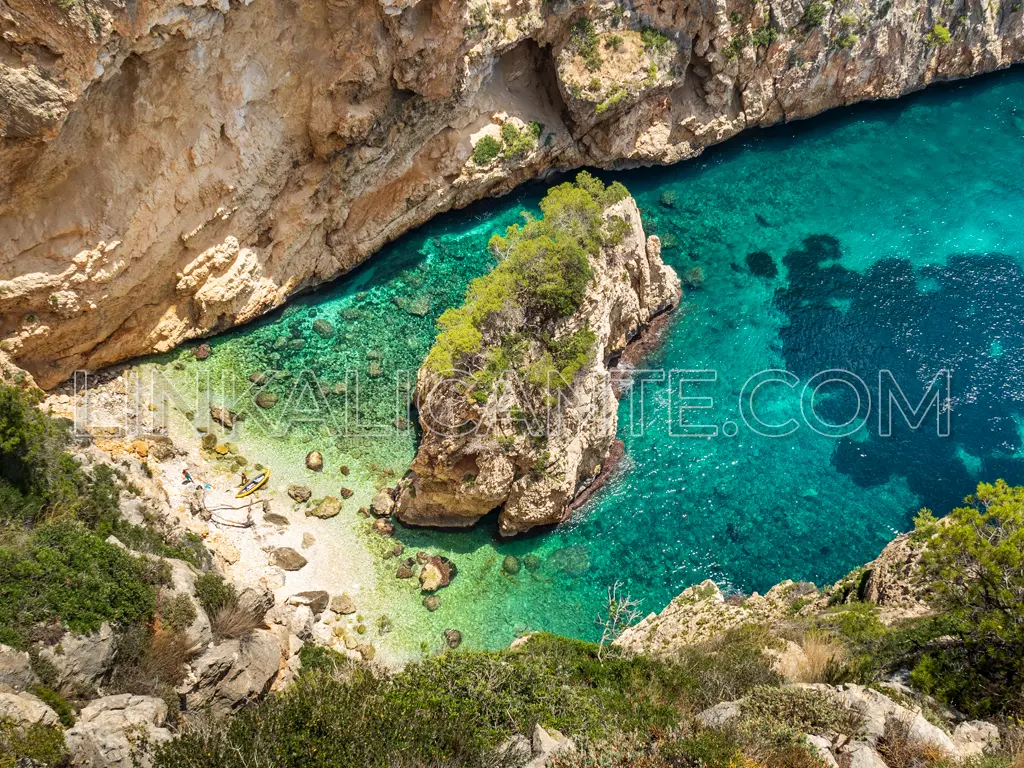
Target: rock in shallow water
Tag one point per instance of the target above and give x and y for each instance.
(314, 461)
(453, 638)
(328, 508)
(510, 565)
(300, 493)
(343, 604)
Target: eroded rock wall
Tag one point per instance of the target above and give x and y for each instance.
(169, 169)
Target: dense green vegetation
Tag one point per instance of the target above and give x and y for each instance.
(55, 517)
(975, 563)
(512, 144)
(541, 276)
(583, 41)
(939, 35)
(456, 709)
(970, 653)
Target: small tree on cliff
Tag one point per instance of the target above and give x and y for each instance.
(623, 612)
(974, 564)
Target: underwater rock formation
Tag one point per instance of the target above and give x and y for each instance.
(172, 169)
(529, 451)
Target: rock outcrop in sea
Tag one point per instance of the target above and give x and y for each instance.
(529, 451)
(172, 169)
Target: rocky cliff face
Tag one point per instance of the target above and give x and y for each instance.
(525, 450)
(169, 169)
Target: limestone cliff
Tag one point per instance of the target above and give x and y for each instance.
(891, 582)
(526, 450)
(170, 168)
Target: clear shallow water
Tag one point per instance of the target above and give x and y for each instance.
(884, 236)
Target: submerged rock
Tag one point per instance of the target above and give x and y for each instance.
(432, 602)
(266, 400)
(510, 565)
(453, 638)
(531, 562)
(202, 352)
(328, 508)
(323, 329)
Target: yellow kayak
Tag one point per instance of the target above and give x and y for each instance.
(253, 485)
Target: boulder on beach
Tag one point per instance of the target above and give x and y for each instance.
(316, 599)
(383, 527)
(287, 559)
(315, 461)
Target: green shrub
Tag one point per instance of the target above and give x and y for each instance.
(178, 612)
(974, 563)
(706, 748)
(543, 270)
(845, 40)
(32, 746)
(656, 42)
(485, 150)
(614, 42)
(67, 572)
(939, 35)
(35, 466)
(319, 658)
(736, 46)
(451, 710)
(583, 42)
(214, 593)
(764, 36)
(814, 14)
(57, 703)
(517, 143)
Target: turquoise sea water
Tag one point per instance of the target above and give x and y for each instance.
(887, 236)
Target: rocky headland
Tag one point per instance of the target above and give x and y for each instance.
(171, 170)
(528, 432)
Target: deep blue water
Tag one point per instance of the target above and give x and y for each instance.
(886, 237)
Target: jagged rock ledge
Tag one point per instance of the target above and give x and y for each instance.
(521, 454)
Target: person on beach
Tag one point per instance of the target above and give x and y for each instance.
(186, 477)
(245, 478)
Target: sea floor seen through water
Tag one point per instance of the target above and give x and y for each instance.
(886, 237)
